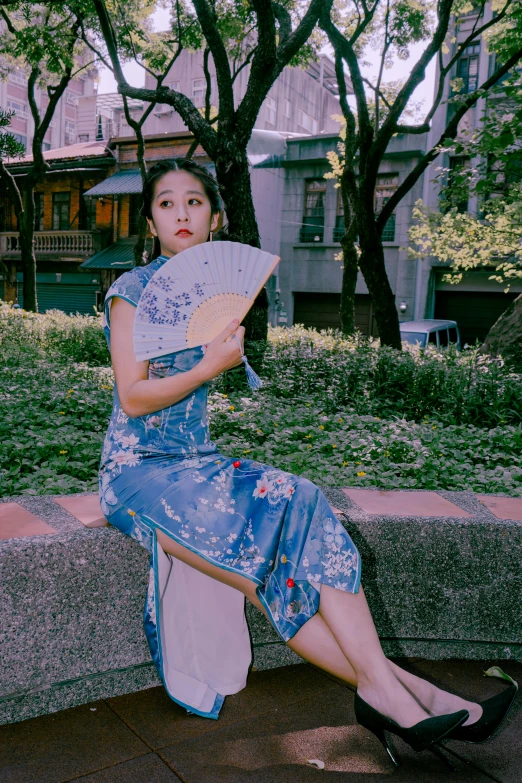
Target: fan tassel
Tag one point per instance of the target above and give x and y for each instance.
(254, 381)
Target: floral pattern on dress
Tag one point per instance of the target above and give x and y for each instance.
(163, 471)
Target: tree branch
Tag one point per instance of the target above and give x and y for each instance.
(417, 75)
(344, 49)
(207, 20)
(289, 48)
(449, 133)
(180, 102)
(284, 21)
(361, 26)
(12, 188)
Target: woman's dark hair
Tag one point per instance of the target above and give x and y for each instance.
(210, 186)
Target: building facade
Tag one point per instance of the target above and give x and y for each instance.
(63, 130)
(299, 101)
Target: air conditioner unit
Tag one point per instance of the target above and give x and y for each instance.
(163, 109)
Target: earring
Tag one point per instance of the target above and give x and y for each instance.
(210, 240)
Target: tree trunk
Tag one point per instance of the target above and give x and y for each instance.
(139, 247)
(236, 190)
(350, 271)
(28, 258)
(505, 336)
(371, 263)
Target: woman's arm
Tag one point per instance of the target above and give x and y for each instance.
(139, 395)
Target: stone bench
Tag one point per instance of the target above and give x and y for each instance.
(441, 572)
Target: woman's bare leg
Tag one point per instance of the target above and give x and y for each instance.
(316, 643)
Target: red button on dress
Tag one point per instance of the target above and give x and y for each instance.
(290, 583)
(236, 464)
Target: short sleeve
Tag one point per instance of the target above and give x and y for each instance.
(128, 287)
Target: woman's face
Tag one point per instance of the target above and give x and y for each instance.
(181, 213)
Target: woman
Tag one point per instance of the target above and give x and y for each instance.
(219, 528)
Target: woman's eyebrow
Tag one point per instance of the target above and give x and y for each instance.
(186, 192)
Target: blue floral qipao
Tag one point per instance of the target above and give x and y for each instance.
(162, 472)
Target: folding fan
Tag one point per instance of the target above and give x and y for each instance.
(195, 294)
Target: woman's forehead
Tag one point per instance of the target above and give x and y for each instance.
(178, 182)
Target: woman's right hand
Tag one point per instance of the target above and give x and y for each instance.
(223, 352)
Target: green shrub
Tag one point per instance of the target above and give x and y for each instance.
(58, 337)
(340, 412)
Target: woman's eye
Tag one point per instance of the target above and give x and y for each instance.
(194, 201)
(165, 203)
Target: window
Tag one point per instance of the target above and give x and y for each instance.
(199, 87)
(87, 214)
(70, 132)
(443, 338)
(384, 189)
(38, 211)
(432, 338)
(339, 218)
(83, 137)
(20, 138)
(175, 85)
(271, 111)
(134, 213)
(287, 108)
(61, 209)
(313, 218)
(17, 77)
(307, 122)
(7, 218)
(71, 99)
(468, 67)
(19, 108)
(46, 145)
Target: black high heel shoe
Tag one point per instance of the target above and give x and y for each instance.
(494, 711)
(420, 737)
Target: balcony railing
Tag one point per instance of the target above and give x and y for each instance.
(81, 243)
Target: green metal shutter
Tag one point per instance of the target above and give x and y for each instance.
(59, 296)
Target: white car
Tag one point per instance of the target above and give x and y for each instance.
(430, 332)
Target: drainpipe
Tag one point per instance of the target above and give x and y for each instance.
(417, 312)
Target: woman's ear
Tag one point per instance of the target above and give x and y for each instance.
(214, 221)
(152, 227)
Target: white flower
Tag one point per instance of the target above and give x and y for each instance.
(341, 585)
(289, 491)
(313, 577)
(334, 534)
(229, 552)
(263, 488)
(129, 441)
(201, 529)
(204, 501)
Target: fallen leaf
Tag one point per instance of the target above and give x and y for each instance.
(496, 671)
(316, 763)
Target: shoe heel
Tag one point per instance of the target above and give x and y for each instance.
(436, 750)
(388, 747)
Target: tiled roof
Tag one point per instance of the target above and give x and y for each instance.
(126, 181)
(117, 256)
(85, 149)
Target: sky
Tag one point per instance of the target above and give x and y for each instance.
(400, 70)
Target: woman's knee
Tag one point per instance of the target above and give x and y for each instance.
(237, 581)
